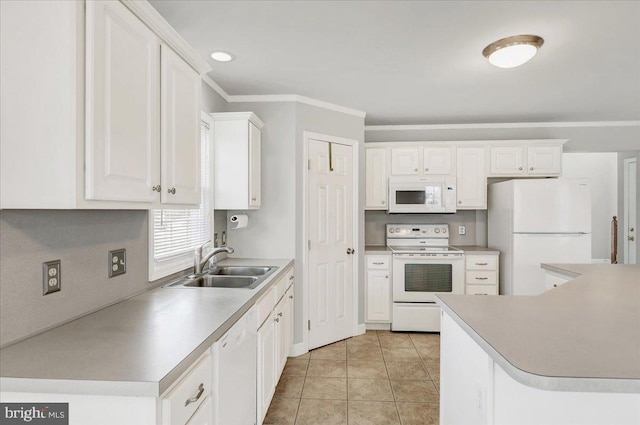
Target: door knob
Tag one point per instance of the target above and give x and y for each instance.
(351, 251)
(631, 229)
(631, 238)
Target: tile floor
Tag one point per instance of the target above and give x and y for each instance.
(380, 377)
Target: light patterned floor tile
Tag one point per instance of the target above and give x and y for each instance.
(419, 413)
(325, 388)
(373, 413)
(369, 389)
(322, 412)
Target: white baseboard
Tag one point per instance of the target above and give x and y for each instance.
(378, 326)
(600, 261)
(361, 328)
(298, 349)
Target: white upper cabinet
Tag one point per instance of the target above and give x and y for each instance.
(545, 160)
(116, 124)
(237, 160)
(507, 161)
(406, 161)
(471, 178)
(180, 130)
(530, 158)
(377, 174)
(122, 105)
(436, 160)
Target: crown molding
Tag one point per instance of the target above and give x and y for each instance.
(215, 87)
(299, 99)
(152, 18)
(576, 124)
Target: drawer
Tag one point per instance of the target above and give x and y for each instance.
(281, 286)
(481, 290)
(481, 262)
(194, 385)
(482, 278)
(265, 305)
(378, 262)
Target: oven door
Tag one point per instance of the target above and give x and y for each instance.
(419, 277)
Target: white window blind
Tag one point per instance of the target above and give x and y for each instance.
(176, 233)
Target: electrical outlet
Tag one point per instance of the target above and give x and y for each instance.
(50, 277)
(462, 230)
(117, 262)
(224, 238)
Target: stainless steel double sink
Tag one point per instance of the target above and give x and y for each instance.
(226, 277)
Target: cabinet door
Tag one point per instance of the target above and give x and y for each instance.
(544, 160)
(122, 105)
(436, 160)
(255, 199)
(471, 178)
(378, 296)
(180, 134)
(289, 320)
(266, 365)
(507, 161)
(281, 337)
(406, 161)
(204, 414)
(376, 176)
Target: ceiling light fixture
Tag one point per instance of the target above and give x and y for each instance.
(222, 56)
(512, 51)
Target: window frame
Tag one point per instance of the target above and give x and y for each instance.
(183, 262)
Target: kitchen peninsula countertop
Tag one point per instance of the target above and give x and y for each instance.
(137, 347)
(582, 336)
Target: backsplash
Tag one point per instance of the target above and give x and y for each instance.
(375, 221)
(81, 239)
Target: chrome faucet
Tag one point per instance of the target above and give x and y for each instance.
(199, 261)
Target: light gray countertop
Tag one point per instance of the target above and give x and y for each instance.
(137, 347)
(582, 336)
(478, 250)
(376, 250)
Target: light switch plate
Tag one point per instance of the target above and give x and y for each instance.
(117, 262)
(51, 277)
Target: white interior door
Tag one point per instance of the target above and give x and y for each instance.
(630, 210)
(330, 229)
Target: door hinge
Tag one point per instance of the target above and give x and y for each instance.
(309, 324)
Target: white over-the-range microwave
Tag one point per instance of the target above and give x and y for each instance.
(426, 194)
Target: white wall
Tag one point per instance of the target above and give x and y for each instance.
(602, 169)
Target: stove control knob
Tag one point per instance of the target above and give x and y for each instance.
(444, 230)
(437, 230)
(391, 230)
(397, 230)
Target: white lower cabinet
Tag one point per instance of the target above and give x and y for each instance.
(275, 336)
(378, 289)
(204, 414)
(184, 398)
(481, 273)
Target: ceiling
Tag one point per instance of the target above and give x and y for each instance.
(420, 62)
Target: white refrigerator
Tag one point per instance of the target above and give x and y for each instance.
(538, 221)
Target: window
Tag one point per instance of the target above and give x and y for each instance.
(175, 234)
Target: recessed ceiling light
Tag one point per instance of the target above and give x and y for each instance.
(512, 51)
(222, 56)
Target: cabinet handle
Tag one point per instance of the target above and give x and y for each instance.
(459, 202)
(291, 277)
(383, 202)
(253, 199)
(280, 314)
(386, 277)
(415, 169)
(277, 320)
(555, 285)
(520, 168)
(156, 188)
(481, 294)
(378, 263)
(482, 278)
(172, 190)
(197, 397)
(426, 169)
(531, 169)
(290, 297)
(482, 264)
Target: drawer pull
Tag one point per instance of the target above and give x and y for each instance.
(378, 263)
(290, 297)
(480, 294)
(291, 277)
(197, 397)
(482, 264)
(482, 278)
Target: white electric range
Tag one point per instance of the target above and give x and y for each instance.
(423, 265)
